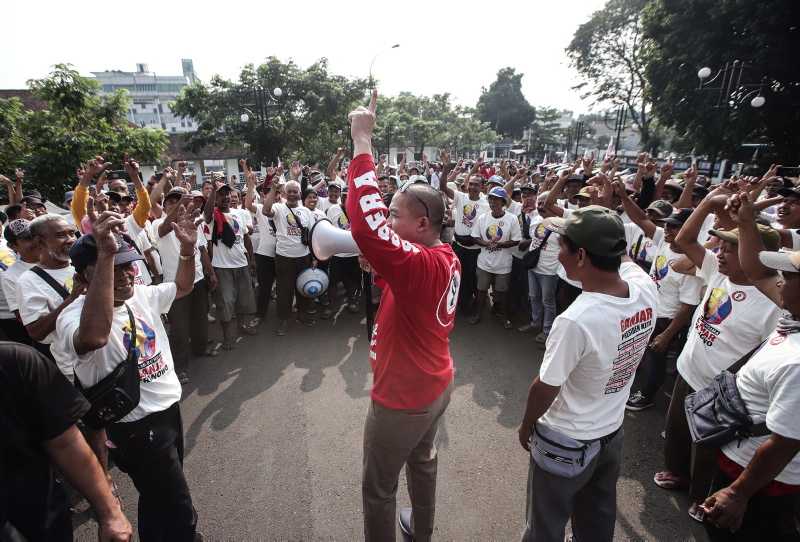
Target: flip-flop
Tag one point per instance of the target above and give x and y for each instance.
(668, 480)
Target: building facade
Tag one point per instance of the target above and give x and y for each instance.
(151, 95)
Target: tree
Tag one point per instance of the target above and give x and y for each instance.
(546, 133)
(76, 124)
(686, 35)
(610, 54)
(504, 106)
(415, 122)
(303, 122)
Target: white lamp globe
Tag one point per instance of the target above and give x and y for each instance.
(758, 101)
(277, 92)
(704, 73)
(244, 117)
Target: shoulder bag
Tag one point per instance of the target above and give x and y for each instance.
(531, 258)
(304, 234)
(118, 393)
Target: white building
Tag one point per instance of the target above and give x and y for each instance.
(151, 95)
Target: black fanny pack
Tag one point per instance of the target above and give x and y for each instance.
(117, 394)
(304, 233)
(464, 240)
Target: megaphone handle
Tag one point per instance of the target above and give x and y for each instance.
(369, 309)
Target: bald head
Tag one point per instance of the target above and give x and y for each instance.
(424, 200)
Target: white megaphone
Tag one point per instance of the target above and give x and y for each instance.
(327, 240)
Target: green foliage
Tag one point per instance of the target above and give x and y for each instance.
(76, 125)
(610, 54)
(686, 35)
(545, 131)
(302, 123)
(504, 106)
(415, 122)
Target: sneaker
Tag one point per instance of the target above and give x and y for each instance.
(637, 402)
(541, 338)
(283, 327)
(527, 328)
(404, 519)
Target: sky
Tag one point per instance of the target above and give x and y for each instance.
(445, 46)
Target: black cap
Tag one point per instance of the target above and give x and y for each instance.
(34, 197)
(789, 192)
(678, 217)
(84, 252)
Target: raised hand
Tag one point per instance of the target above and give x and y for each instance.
(184, 228)
(667, 169)
(690, 175)
(444, 157)
(106, 229)
(132, 168)
(95, 167)
(362, 121)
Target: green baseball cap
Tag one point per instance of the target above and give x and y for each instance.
(769, 236)
(594, 228)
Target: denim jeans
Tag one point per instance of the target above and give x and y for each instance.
(542, 293)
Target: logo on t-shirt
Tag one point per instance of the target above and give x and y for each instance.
(470, 212)
(449, 299)
(635, 332)
(342, 222)
(151, 362)
(6, 259)
(718, 306)
(494, 232)
(660, 268)
(540, 231)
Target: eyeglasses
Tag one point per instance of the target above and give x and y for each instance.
(416, 197)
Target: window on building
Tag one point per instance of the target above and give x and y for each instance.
(155, 111)
(163, 125)
(160, 108)
(173, 130)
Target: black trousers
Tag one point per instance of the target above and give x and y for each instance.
(286, 271)
(265, 273)
(518, 303)
(150, 451)
(344, 270)
(766, 518)
(653, 369)
(469, 277)
(13, 330)
(188, 326)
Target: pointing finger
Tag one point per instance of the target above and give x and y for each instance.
(373, 102)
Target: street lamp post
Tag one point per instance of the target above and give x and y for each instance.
(731, 92)
(578, 134)
(374, 58)
(263, 100)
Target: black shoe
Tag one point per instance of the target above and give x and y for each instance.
(638, 402)
(405, 524)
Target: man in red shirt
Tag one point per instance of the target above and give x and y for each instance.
(409, 350)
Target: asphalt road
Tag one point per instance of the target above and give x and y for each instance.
(274, 435)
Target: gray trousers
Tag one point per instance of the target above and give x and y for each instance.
(589, 499)
(393, 438)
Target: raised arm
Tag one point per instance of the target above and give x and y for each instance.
(766, 280)
(447, 166)
(250, 196)
(141, 212)
(689, 178)
(687, 236)
(330, 171)
(666, 173)
(635, 212)
(552, 195)
(270, 199)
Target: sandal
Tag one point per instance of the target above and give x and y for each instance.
(668, 480)
(696, 513)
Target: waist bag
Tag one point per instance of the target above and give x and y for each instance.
(117, 394)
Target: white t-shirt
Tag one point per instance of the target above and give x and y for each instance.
(40, 299)
(640, 247)
(340, 220)
(768, 384)
(731, 320)
(325, 203)
(7, 259)
(159, 383)
(531, 215)
(10, 278)
(245, 218)
(514, 208)
(548, 256)
(170, 249)
(267, 239)
(466, 212)
(317, 214)
(489, 228)
(673, 288)
(592, 353)
(235, 256)
(139, 236)
(289, 242)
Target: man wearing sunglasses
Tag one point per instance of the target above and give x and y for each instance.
(409, 351)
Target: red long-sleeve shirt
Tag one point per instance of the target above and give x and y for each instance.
(410, 349)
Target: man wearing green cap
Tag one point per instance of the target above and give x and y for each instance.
(573, 419)
(732, 319)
